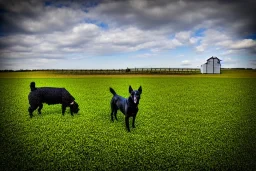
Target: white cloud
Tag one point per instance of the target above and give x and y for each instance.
(223, 42)
(211, 38)
(194, 40)
(228, 61)
(226, 43)
(186, 63)
(201, 48)
(183, 36)
(242, 44)
(88, 39)
(239, 44)
(228, 52)
(84, 28)
(145, 55)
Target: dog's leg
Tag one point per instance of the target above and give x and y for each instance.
(31, 110)
(127, 123)
(40, 107)
(133, 121)
(71, 112)
(63, 109)
(115, 111)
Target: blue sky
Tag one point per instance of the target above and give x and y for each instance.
(115, 34)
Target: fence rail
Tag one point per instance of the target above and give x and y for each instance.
(117, 71)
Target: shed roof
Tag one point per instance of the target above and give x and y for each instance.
(214, 58)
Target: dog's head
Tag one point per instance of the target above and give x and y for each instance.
(135, 94)
(74, 107)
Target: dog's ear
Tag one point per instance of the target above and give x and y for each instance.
(130, 89)
(140, 89)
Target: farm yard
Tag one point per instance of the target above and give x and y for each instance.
(190, 122)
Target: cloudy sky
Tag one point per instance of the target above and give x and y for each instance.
(95, 34)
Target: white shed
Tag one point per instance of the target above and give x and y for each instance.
(212, 66)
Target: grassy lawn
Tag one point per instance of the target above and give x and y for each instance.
(183, 123)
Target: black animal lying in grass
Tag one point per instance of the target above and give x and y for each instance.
(129, 106)
(50, 95)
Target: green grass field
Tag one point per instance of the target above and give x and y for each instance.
(184, 123)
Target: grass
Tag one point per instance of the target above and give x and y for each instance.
(184, 123)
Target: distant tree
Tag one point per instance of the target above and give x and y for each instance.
(127, 70)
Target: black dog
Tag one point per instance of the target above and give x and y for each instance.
(49, 95)
(129, 106)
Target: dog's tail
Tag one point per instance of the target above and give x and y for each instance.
(112, 91)
(32, 86)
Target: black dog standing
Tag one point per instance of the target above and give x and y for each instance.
(129, 106)
(50, 95)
